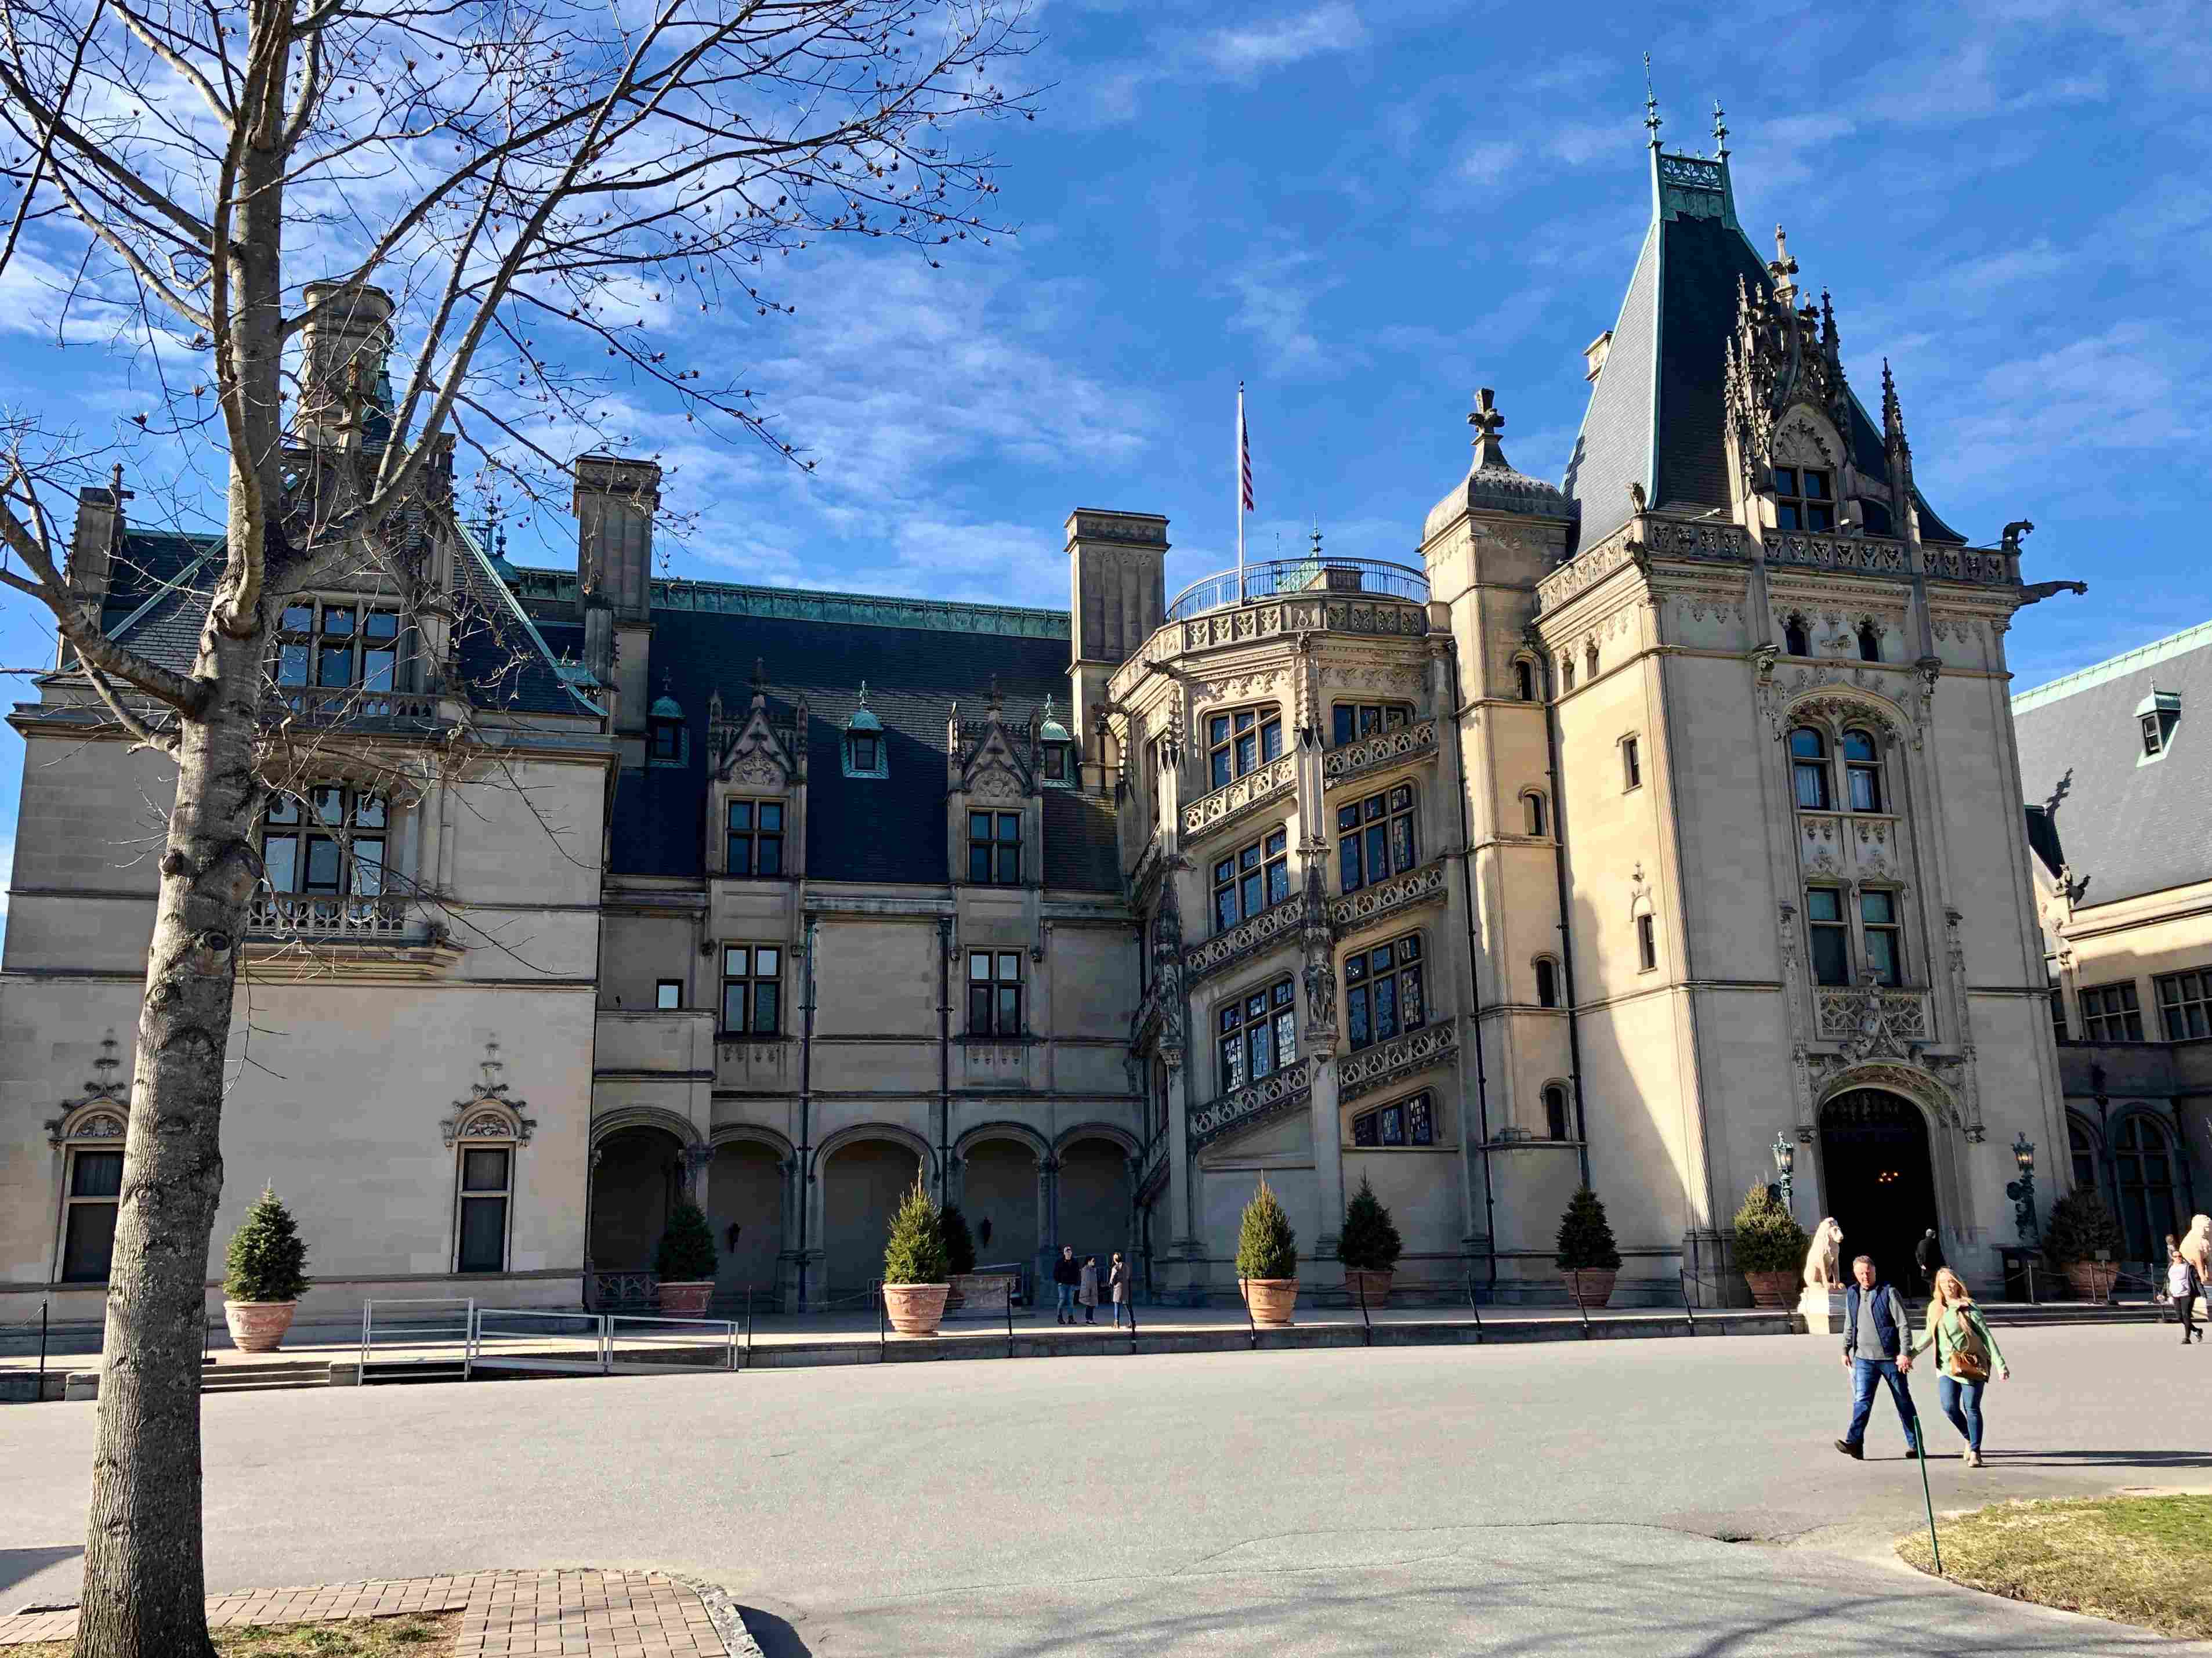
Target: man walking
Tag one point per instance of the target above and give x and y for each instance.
(1927, 1256)
(1065, 1275)
(1876, 1345)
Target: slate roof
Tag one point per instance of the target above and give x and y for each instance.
(2130, 827)
(888, 830)
(1656, 415)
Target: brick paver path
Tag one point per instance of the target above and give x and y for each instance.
(504, 1614)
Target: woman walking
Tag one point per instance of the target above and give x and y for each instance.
(1965, 1351)
(2183, 1286)
(1117, 1288)
(1087, 1293)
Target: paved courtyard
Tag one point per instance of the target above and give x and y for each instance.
(1649, 1498)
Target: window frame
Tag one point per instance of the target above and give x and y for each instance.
(2097, 1017)
(298, 817)
(464, 1195)
(1647, 943)
(1804, 765)
(1524, 679)
(1394, 815)
(1796, 507)
(1415, 1124)
(1871, 771)
(1238, 1025)
(2171, 991)
(1536, 815)
(72, 1200)
(662, 989)
(316, 641)
(995, 848)
(1405, 965)
(1821, 929)
(1796, 636)
(1891, 975)
(1224, 758)
(1265, 859)
(999, 981)
(748, 980)
(1559, 1103)
(757, 837)
(1869, 641)
(2058, 1028)
(1631, 763)
(1389, 717)
(1546, 973)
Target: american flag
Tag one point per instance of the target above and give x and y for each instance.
(1243, 447)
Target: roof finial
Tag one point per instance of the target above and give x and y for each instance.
(1651, 103)
(864, 693)
(1316, 540)
(1487, 422)
(1720, 130)
(1781, 268)
(760, 673)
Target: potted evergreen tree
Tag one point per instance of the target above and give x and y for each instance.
(1770, 1247)
(685, 1262)
(914, 1286)
(2081, 1229)
(1588, 1257)
(264, 1273)
(1368, 1248)
(1268, 1259)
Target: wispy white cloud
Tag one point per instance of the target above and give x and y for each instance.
(1243, 51)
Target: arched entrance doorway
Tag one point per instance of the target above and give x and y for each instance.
(636, 1175)
(745, 1206)
(862, 1184)
(2143, 1178)
(1095, 1210)
(999, 1196)
(1880, 1182)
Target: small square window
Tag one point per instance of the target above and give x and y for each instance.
(668, 995)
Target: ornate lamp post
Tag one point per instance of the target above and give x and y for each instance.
(1785, 1161)
(2022, 1191)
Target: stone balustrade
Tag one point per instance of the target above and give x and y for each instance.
(1860, 555)
(1386, 900)
(1276, 1094)
(1235, 801)
(355, 705)
(1391, 1061)
(1367, 615)
(1277, 924)
(1352, 761)
(326, 916)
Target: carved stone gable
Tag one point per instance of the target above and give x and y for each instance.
(752, 751)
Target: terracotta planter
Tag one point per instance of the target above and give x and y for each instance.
(915, 1309)
(1773, 1288)
(686, 1297)
(1592, 1286)
(1365, 1280)
(258, 1326)
(2090, 1280)
(1271, 1300)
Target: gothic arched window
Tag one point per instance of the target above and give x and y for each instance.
(1808, 769)
(1863, 771)
(1870, 642)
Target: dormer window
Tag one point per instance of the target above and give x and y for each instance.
(667, 739)
(1056, 761)
(865, 752)
(1804, 498)
(2156, 716)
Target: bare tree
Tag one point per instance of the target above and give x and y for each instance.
(517, 199)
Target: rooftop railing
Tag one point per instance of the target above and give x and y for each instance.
(1282, 577)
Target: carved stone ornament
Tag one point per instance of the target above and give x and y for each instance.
(102, 1111)
(488, 1113)
(995, 786)
(1869, 1022)
(752, 751)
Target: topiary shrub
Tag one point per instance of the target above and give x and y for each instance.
(1586, 1242)
(2080, 1226)
(1267, 1248)
(1768, 1238)
(1371, 1242)
(687, 1247)
(267, 1260)
(959, 1246)
(915, 1251)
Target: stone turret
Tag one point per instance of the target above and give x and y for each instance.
(342, 350)
(614, 501)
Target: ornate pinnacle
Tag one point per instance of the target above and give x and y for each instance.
(1487, 423)
(1720, 130)
(1782, 267)
(1651, 103)
(1316, 540)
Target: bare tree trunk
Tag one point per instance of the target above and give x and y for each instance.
(143, 1583)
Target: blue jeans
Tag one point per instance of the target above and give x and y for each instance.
(1864, 1371)
(1067, 1296)
(1962, 1403)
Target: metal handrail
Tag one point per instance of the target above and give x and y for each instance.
(1281, 578)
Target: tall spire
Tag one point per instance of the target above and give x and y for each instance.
(1720, 131)
(1651, 103)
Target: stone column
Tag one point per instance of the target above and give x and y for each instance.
(1047, 1219)
(789, 1257)
(1328, 1162)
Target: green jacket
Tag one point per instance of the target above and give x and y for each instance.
(1940, 1335)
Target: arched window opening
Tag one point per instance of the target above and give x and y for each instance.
(1558, 1124)
(1796, 639)
(2082, 1150)
(1647, 943)
(1567, 672)
(1547, 982)
(1532, 805)
(1808, 769)
(1863, 771)
(1589, 661)
(1524, 677)
(1869, 643)
(2143, 1171)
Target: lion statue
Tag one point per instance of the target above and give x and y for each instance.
(1824, 1262)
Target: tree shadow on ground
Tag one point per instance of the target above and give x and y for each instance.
(776, 1637)
(16, 1564)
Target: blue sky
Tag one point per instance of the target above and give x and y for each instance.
(1366, 210)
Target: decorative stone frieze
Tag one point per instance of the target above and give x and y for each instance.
(1402, 1056)
(1280, 925)
(1240, 799)
(1387, 902)
(1966, 564)
(1356, 760)
(1869, 1021)
(1669, 538)
(1867, 554)
(1274, 1095)
(1367, 616)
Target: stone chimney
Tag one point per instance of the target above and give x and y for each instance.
(95, 540)
(352, 333)
(614, 501)
(1117, 572)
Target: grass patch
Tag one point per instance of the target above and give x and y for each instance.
(2134, 1559)
(410, 1636)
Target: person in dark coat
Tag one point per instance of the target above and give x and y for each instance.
(1117, 1287)
(1067, 1273)
(1928, 1256)
(1086, 1291)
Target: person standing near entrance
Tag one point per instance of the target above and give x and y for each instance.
(1117, 1289)
(2183, 1286)
(1876, 1348)
(1965, 1350)
(1927, 1256)
(1065, 1275)
(1086, 1291)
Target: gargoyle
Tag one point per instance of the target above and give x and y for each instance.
(2036, 592)
(2014, 532)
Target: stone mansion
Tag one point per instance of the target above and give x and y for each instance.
(1643, 821)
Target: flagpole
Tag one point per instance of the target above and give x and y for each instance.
(1240, 492)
